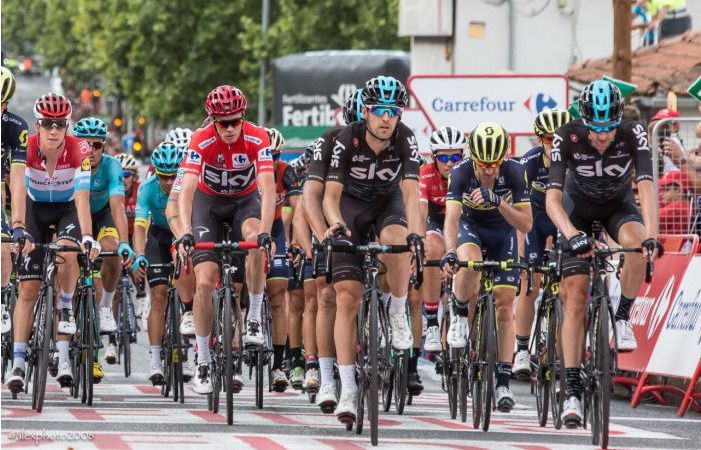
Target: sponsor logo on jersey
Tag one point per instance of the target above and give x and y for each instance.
(360, 158)
(85, 164)
(206, 143)
(264, 154)
(597, 170)
(641, 136)
(336, 153)
(228, 181)
(240, 160)
(220, 159)
(194, 157)
(23, 138)
(371, 173)
(316, 149)
(254, 139)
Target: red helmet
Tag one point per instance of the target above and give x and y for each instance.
(665, 113)
(52, 106)
(225, 100)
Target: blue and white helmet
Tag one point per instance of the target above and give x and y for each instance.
(601, 103)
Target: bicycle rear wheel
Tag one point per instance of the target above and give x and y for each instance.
(228, 355)
(90, 333)
(43, 333)
(475, 367)
(259, 370)
(177, 353)
(362, 363)
(543, 370)
(126, 332)
(601, 392)
(451, 381)
(462, 383)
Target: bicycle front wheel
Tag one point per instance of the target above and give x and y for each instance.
(228, 355)
(44, 332)
(373, 349)
(488, 350)
(542, 372)
(557, 365)
(401, 372)
(601, 392)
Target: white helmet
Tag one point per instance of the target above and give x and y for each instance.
(180, 137)
(127, 161)
(448, 138)
(277, 141)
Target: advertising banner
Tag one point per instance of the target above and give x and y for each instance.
(463, 101)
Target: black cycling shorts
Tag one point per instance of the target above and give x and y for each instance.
(103, 224)
(158, 246)
(499, 242)
(292, 284)
(210, 212)
(41, 218)
(612, 216)
(359, 215)
(280, 266)
(433, 226)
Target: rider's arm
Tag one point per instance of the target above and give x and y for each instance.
(519, 216)
(332, 202)
(82, 205)
(410, 193)
(119, 216)
(187, 194)
(18, 202)
(647, 206)
(556, 183)
(172, 215)
(300, 230)
(453, 209)
(141, 221)
(644, 178)
(266, 183)
(312, 197)
(423, 215)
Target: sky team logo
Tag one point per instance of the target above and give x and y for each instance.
(540, 101)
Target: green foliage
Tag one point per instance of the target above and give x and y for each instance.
(164, 56)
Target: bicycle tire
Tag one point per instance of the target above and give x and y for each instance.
(228, 356)
(489, 357)
(215, 376)
(373, 401)
(126, 332)
(7, 339)
(167, 368)
(451, 381)
(558, 365)
(90, 334)
(44, 332)
(386, 365)
(543, 357)
(401, 373)
(462, 385)
(177, 353)
(259, 368)
(475, 370)
(601, 388)
(361, 364)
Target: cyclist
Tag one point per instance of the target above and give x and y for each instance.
(448, 145)
(56, 192)
(180, 137)
(536, 162)
(312, 195)
(130, 174)
(599, 152)
(487, 202)
(154, 247)
(228, 162)
(369, 161)
(14, 157)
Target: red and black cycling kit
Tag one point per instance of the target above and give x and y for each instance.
(597, 186)
(432, 190)
(371, 194)
(130, 206)
(227, 191)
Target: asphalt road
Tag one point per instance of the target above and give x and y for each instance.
(131, 414)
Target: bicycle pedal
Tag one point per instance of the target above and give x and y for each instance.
(346, 418)
(328, 407)
(65, 382)
(156, 380)
(571, 424)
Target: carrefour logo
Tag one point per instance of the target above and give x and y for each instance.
(487, 104)
(542, 101)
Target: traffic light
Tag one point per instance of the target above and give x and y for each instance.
(137, 146)
(118, 124)
(141, 120)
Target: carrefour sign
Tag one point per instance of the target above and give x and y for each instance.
(463, 101)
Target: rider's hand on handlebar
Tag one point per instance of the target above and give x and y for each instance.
(580, 245)
(95, 248)
(124, 249)
(337, 229)
(449, 262)
(654, 247)
(139, 267)
(20, 238)
(185, 245)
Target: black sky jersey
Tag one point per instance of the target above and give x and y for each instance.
(511, 185)
(594, 177)
(369, 177)
(321, 154)
(534, 163)
(14, 141)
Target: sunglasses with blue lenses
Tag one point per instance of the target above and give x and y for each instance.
(127, 174)
(602, 128)
(380, 110)
(454, 158)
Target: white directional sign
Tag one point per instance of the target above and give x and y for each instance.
(463, 101)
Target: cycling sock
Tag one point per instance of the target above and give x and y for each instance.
(296, 357)
(112, 339)
(278, 356)
(414, 360)
(348, 383)
(312, 361)
(203, 354)
(431, 313)
(397, 305)
(65, 300)
(187, 306)
(62, 347)
(107, 297)
(326, 369)
(503, 373)
(522, 343)
(155, 352)
(573, 382)
(255, 301)
(19, 350)
(460, 309)
(623, 311)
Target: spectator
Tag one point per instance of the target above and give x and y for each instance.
(631, 112)
(670, 16)
(669, 145)
(675, 205)
(642, 14)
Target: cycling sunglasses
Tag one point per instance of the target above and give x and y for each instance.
(547, 139)
(166, 176)
(48, 124)
(97, 145)
(492, 165)
(454, 158)
(380, 110)
(127, 174)
(602, 128)
(225, 124)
